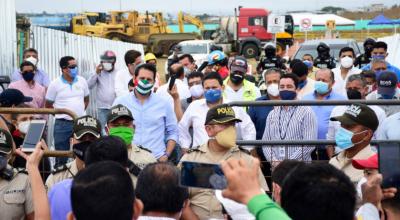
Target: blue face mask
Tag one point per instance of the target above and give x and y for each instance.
(321, 87)
(385, 96)
(343, 138)
(213, 95)
(378, 57)
(309, 64)
(287, 95)
(302, 84)
(73, 72)
(378, 73)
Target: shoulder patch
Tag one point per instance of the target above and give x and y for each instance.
(60, 168)
(143, 148)
(244, 150)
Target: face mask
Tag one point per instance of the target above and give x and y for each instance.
(28, 76)
(273, 89)
(79, 149)
(236, 78)
(186, 71)
(287, 95)
(359, 184)
(378, 57)
(309, 64)
(321, 87)
(23, 126)
(227, 137)
(378, 73)
(196, 91)
(346, 62)
(353, 94)
(343, 138)
(302, 84)
(32, 60)
(73, 72)
(3, 162)
(123, 132)
(213, 95)
(144, 87)
(108, 66)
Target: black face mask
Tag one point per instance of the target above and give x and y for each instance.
(3, 162)
(353, 94)
(80, 148)
(236, 78)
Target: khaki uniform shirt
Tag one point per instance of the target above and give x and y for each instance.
(15, 197)
(203, 201)
(63, 172)
(141, 156)
(343, 163)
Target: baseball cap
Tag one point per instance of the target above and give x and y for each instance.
(369, 163)
(359, 114)
(6, 142)
(117, 112)
(13, 97)
(86, 125)
(221, 114)
(387, 82)
(239, 64)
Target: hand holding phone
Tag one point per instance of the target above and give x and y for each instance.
(171, 82)
(202, 175)
(33, 136)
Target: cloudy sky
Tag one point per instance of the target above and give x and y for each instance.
(190, 6)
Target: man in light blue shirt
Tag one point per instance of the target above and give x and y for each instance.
(389, 129)
(155, 120)
(324, 80)
(40, 77)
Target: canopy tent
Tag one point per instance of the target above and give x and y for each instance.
(321, 19)
(381, 19)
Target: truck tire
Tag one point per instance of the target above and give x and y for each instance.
(250, 51)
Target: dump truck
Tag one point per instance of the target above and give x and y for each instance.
(148, 29)
(246, 33)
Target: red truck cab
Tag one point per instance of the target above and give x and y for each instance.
(253, 22)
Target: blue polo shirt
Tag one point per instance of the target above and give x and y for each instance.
(258, 115)
(323, 113)
(390, 68)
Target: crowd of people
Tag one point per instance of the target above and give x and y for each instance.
(128, 155)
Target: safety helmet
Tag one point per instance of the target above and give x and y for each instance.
(108, 55)
(149, 56)
(215, 57)
(323, 48)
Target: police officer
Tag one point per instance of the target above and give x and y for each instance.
(86, 129)
(15, 191)
(365, 58)
(120, 123)
(271, 60)
(324, 59)
(220, 127)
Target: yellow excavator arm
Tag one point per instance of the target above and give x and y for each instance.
(182, 18)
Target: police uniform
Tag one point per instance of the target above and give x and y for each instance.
(268, 63)
(203, 201)
(60, 173)
(141, 156)
(321, 63)
(15, 190)
(362, 60)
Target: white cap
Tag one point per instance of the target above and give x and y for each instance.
(237, 211)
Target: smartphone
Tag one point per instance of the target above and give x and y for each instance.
(171, 82)
(202, 175)
(389, 164)
(33, 136)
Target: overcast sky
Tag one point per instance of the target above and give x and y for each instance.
(190, 6)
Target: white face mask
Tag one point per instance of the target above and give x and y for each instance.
(107, 66)
(24, 126)
(359, 184)
(196, 91)
(273, 89)
(33, 60)
(346, 62)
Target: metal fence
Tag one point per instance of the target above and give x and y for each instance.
(8, 37)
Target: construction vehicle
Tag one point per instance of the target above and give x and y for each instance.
(247, 33)
(149, 29)
(183, 17)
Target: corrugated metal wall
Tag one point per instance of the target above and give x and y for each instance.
(53, 44)
(8, 37)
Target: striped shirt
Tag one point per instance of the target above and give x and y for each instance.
(293, 123)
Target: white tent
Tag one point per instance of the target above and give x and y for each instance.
(320, 19)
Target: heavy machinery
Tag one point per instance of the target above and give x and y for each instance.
(247, 33)
(149, 29)
(183, 17)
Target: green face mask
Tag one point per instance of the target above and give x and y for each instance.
(123, 132)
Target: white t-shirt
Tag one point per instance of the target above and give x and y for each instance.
(68, 96)
(181, 86)
(122, 78)
(340, 83)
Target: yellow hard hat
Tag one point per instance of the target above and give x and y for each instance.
(149, 56)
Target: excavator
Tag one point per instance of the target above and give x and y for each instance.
(149, 29)
(184, 17)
